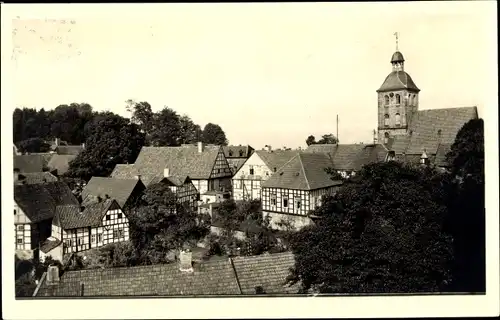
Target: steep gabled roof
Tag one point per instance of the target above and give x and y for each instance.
(118, 189)
(224, 276)
(60, 162)
(181, 161)
(268, 271)
(36, 177)
(430, 128)
(69, 150)
(305, 171)
(214, 277)
(29, 162)
(39, 201)
(276, 158)
(236, 164)
(72, 217)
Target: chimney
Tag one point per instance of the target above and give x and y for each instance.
(166, 172)
(200, 147)
(57, 141)
(186, 261)
(138, 177)
(268, 148)
(99, 199)
(53, 275)
(83, 145)
(424, 159)
(106, 196)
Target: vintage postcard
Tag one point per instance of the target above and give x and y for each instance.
(250, 160)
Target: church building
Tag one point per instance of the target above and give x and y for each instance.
(410, 134)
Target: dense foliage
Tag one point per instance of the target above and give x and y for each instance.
(246, 218)
(159, 224)
(111, 139)
(382, 232)
(467, 214)
(325, 139)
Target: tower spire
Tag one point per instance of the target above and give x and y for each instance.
(397, 39)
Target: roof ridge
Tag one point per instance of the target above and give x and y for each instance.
(303, 170)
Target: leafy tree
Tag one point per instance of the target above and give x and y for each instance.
(467, 213)
(142, 115)
(33, 145)
(167, 129)
(311, 140)
(382, 232)
(190, 132)
(328, 139)
(111, 140)
(160, 224)
(213, 134)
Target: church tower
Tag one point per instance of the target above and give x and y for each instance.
(397, 100)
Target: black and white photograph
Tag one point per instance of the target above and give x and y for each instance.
(209, 160)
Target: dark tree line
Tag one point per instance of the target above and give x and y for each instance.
(109, 138)
(397, 228)
(325, 139)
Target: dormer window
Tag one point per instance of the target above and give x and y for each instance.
(230, 153)
(241, 153)
(274, 169)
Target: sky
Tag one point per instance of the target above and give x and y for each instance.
(271, 73)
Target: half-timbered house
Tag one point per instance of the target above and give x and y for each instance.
(258, 168)
(34, 208)
(183, 189)
(92, 226)
(206, 166)
(290, 194)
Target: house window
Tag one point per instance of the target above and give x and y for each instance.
(19, 240)
(218, 170)
(386, 100)
(398, 119)
(274, 169)
(285, 202)
(15, 211)
(119, 216)
(67, 243)
(386, 120)
(99, 237)
(108, 217)
(80, 241)
(298, 202)
(70, 242)
(115, 233)
(251, 171)
(267, 173)
(273, 199)
(92, 238)
(398, 99)
(20, 227)
(120, 233)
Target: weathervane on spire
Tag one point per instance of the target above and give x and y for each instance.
(397, 37)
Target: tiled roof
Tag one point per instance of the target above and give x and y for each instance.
(236, 164)
(118, 189)
(175, 180)
(39, 201)
(214, 277)
(268, 271)
(397, 80)
(49, 244)
(29, 162)
(276, 158)
(69, 150)
(36, 177)
(346, 156)
(429, 128)
(442, 150)
(305, 171)
(60, 162)
(370, 154)
(240, 275)
(238, 151)
(182, 161)
(322, 148)
(71, 217)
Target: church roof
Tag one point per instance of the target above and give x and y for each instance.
(429, 129)
(398, 80)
